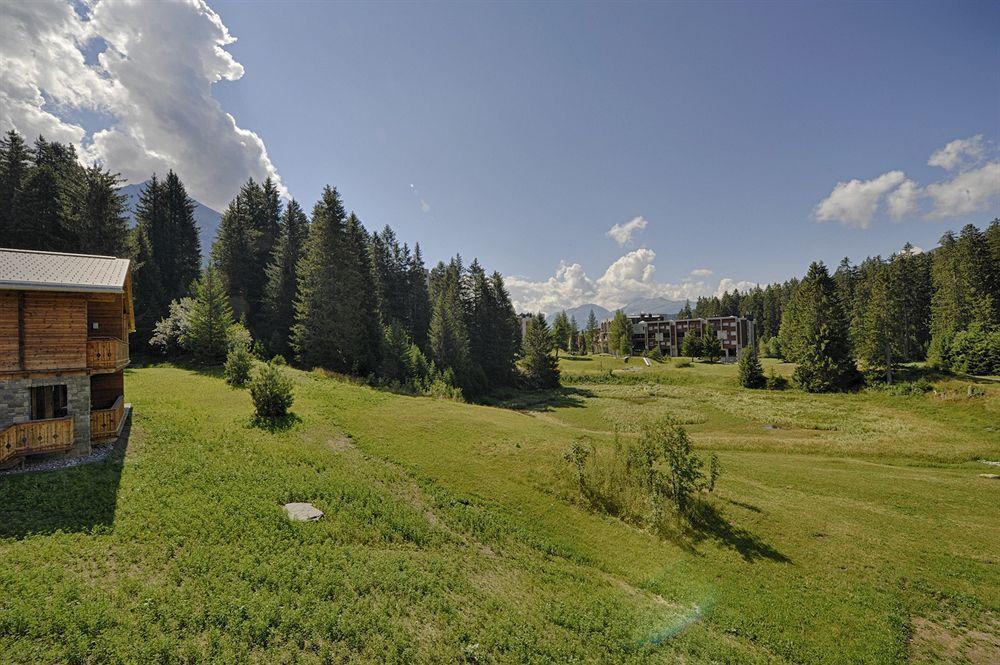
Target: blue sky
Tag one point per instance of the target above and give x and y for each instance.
(528, 130)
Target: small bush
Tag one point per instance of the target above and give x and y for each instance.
(776, 381)
(440, 387)
(657, 355)
(279, 360)
(271, 392)
(238, 366)
(751, 374)
(904, 388)
(238, 336)
(683, 362)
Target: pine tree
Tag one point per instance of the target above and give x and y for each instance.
(686, 312)
(691, 345)
(364, 336)
(592, 332)
(448, 337)
(620, 334)
(282, 283)
(15, 160)
(38, 210)
(751, 373)
(211, 317)
(574, 335)
(97, 212)
(322, 335)
(179, 250)
(418, 300)
(561, 332)
(879, 340)
(147, 288)
(540, 367)
(814, 333)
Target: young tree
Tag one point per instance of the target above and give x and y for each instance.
(593, 331)
(751, 373)
(691, 345)
(574, 335)
(620, 334)
(711, 347)
(211, 317)
(540, 367)
(814, 334)
(560, 332)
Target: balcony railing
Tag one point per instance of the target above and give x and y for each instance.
(54, 435)
(107, 354)
(107, 423)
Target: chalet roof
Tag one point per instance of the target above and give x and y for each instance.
(31, 270)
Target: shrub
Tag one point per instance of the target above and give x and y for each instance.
(656, 354)
(751, 374)
(279, 360)
(271, 392)
(975, 351)
(440, 387)
(682, 362)
(776, 381)
(238, 365)
(770, 348)
(692, 346)
(238, 336)
(170, 332)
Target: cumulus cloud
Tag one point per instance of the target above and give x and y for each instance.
(973, 186)
(854, 203)
(622, 233)
(153, 80)
(958, 153)
(628, 278)
(702, 272)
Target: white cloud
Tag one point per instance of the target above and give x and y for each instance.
(959, 153)
(854, 203)
(968, 192)
(726, 284)
(702, 272)
(973, 188)
(154, 80)
(629, 278)
(904, 200)
(622, 233)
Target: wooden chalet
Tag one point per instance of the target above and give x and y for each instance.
(64, 326)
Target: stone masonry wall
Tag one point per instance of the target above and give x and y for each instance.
(15, 405)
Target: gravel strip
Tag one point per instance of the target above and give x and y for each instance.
(98, 453)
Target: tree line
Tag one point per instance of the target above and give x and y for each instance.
(321, 290)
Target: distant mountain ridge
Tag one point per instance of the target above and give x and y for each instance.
(207, 219)
(662, 306)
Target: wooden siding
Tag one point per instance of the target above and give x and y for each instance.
(55, 331)
(106, 354)
(108, 312)
(9, 359)
(105, 389)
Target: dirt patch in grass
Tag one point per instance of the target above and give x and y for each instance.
(940, 640)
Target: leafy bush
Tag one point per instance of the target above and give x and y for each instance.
(645, 480)
(170, 332)
(776, 381)
(271, 392)
(279, 360)
(440, 387)
(239, 362)
(238, 336)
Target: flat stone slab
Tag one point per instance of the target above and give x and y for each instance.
(302, 512)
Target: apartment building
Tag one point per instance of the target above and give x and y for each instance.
(651, 331)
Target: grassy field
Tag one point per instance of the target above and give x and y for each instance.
(857, 529)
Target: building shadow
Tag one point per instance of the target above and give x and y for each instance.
(73, 500)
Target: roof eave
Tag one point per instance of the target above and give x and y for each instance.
(64, 288)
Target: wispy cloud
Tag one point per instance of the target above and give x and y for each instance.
(702, 272)
(622, 233)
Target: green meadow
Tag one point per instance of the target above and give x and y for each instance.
(856, 528)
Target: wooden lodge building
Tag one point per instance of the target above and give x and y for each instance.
(64, 326)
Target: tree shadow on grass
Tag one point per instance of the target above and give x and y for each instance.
(541, 401)
(273, 425)
(708, 522)
(73, 500)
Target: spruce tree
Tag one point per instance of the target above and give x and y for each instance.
(97, 211)
(320, 334)
(561, 332)
(418, 301)
(751, 373)
(178, 251)
(817, 336)
(282, 283)
(620, 334)
(364, 336)
(574, 335)
(448, 337)
(881, 332)
(147, 288)
(15, 160)
(211, 317)
(38, 210)
(593, 331)
(541, 368)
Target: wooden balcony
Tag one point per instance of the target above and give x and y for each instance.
(106, 354)
(54, 435)
(107, 423)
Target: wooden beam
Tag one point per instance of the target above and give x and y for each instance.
(20, 329)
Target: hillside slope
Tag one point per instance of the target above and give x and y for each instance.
(455, 532)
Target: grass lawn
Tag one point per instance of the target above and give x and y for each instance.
(857, 529)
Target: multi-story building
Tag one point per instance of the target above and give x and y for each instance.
(650, 331)
(64, 326)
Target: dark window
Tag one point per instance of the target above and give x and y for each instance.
(48, 402)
